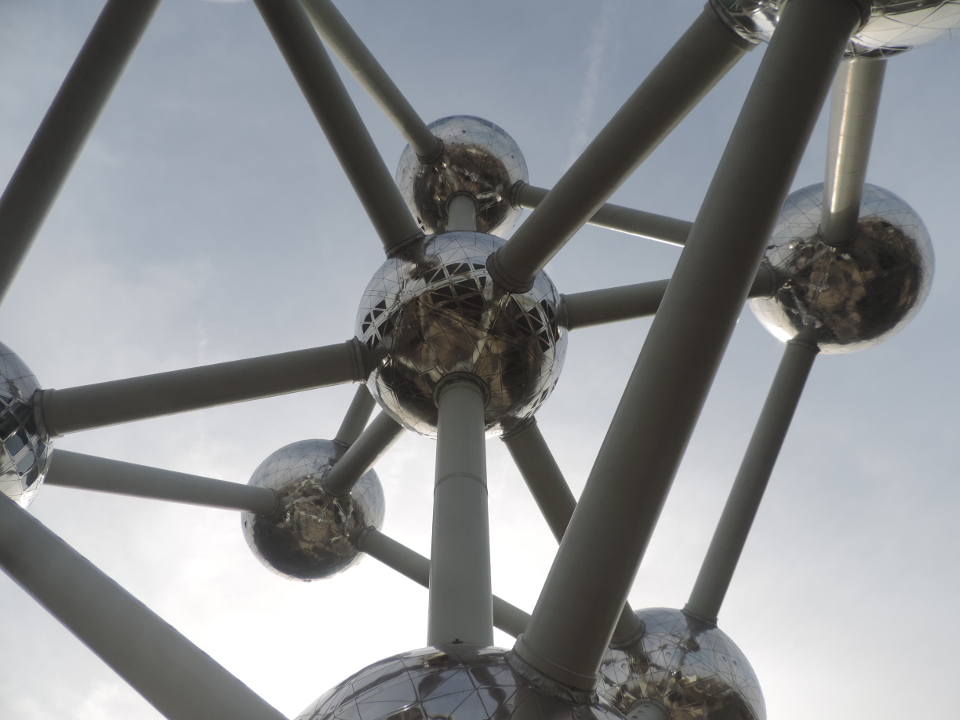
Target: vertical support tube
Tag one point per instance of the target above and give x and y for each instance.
(462, 212)
(175, 676)
(357, 417)
(853, 117)
(587, 585)
(461, 606)
(755, 470)
(58, 141)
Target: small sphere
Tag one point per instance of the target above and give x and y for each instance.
(23, 452)
(310, 535)
(456, 682)
(478, 158)
(695, 670)
(434, 311)
(894, 25)
(852, 296)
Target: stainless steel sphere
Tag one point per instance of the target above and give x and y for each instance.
(478, 158)
(695, 670)
(853, 296)
(457, 683)
(23, 452)
(310, 536)
(434, 311)
(894, 25)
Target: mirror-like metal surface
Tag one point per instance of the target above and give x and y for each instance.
(23, 452)
(310, 536)
(453, 683)
(695, 670)
(855, 295)
(894, 25)
(434, 310)
(478, 158)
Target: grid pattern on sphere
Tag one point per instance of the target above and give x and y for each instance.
(695, 670)
(310, 536)
(478, 158)
(23, 453)
(857, 295)
(430, 684)
(435, 311)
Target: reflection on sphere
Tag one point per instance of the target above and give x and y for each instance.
(894, 25)
(852, 296)
(455, 683)
(695, 670)
(478, 158)
(310, 536)
(23, 453)
(434, 310)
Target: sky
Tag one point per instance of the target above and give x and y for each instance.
(207, 220)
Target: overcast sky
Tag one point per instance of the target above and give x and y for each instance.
(207, 220)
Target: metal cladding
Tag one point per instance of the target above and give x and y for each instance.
(894, 25)
(434, 311)
(459, 682)
(310, 536)
(855, 295)
(478, 158)
(694, 669)
(23, 452)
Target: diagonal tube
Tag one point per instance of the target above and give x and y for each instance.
(361, 63)
(119, 401)
(175, 676)
(754, 474)
(372, 444)
(588, 583)
(509, 618)
(86, 472)
(341, 123)
(58, 141)
(698, 60)
(853, 117)
(357, 417)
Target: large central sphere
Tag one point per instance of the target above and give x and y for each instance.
(455, 683)
(434, 310)
(23, 452)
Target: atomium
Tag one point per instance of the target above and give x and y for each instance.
(694, 669)
(434, 310)
(23, 452)
(309, 537)
(478, 158)
(851, 296)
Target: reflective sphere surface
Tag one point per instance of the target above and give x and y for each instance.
(853, 296)
(23, 453)
(309, 537)
(434, 310)
(478, 158)
(435, 684)
(696, 671)
(894, 25)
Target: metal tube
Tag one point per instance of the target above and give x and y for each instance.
(509, 618)
(755, 470)
(616, 217)
(597, 307)
(462, 212)
(853, 117)
(109, 403)
(372, 444)
(357, 417)
(578, 607)
(341, 123)
(348, 46)
(699, 59)
(58, 141)
(461, 608)
(175, 676)
(86, 472)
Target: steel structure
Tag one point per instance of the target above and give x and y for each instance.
(460, 334)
